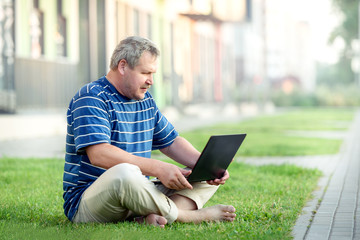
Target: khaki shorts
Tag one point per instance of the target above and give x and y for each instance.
(123, 191)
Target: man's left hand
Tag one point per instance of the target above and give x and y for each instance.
(220, 181)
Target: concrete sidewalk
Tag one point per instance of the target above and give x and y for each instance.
(43, 134)
(35, 134)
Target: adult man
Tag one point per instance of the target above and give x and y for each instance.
(113, 125)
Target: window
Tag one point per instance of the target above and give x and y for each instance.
(37, 30)
(60, 37)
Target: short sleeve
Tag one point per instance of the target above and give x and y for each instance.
(164, 132)
(91, 124)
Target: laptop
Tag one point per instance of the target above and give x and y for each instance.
(215, 158)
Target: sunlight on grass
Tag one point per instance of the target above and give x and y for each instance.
(268, 201)
(268, 135)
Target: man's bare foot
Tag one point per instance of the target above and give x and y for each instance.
(219, 213)
(156, 220)
(209, 214)
(152, 219)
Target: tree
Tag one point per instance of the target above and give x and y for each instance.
(348, 31)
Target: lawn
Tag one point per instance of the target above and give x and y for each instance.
(273, 135)
(268, 199)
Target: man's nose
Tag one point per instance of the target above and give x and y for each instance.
(150, 80)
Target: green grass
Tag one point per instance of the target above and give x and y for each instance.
(268, 200)
(269, 135)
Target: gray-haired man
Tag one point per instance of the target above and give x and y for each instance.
(113, 125)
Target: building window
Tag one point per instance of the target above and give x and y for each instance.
(60, 32)
(37, 30)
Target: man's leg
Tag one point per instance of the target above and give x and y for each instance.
(188, 211)
(119, 189)
(190, 203)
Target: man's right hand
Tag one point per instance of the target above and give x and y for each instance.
(173, 177)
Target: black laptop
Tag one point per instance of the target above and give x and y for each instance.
(216, 157)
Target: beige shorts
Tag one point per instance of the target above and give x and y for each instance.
(123, 191)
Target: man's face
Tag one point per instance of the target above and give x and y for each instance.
(138, 80)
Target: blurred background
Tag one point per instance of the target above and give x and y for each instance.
(255, 52)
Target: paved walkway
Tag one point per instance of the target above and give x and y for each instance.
(338, 215)
(334, 212)
(42, 134)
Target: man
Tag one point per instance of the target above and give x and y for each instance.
(113, 125)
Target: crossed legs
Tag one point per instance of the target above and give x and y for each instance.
(123, 187)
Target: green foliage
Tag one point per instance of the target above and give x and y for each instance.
(297, 98)
(268, 200)
(324, 96)
(348, 28)
(338, 95)
(338, 74)
(348, 31)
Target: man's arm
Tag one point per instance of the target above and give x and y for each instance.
(182, 152)
(106, 156)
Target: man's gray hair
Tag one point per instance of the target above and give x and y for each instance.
(131, 49)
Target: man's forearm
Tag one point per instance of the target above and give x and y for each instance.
(182, 152)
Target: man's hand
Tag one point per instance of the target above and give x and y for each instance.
(220, 181)
(173, 177)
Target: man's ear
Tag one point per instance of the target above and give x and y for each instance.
(122, 65)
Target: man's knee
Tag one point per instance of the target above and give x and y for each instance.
(104, 200)
(124, 174)
(125, 168)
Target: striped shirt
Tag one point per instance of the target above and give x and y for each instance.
(99, 114)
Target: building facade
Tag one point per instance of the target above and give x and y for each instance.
(211, 50)
(7, 56)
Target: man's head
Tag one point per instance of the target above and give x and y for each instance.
(131, 49)
(133, 64)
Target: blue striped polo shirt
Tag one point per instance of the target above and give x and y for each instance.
(98, 113)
